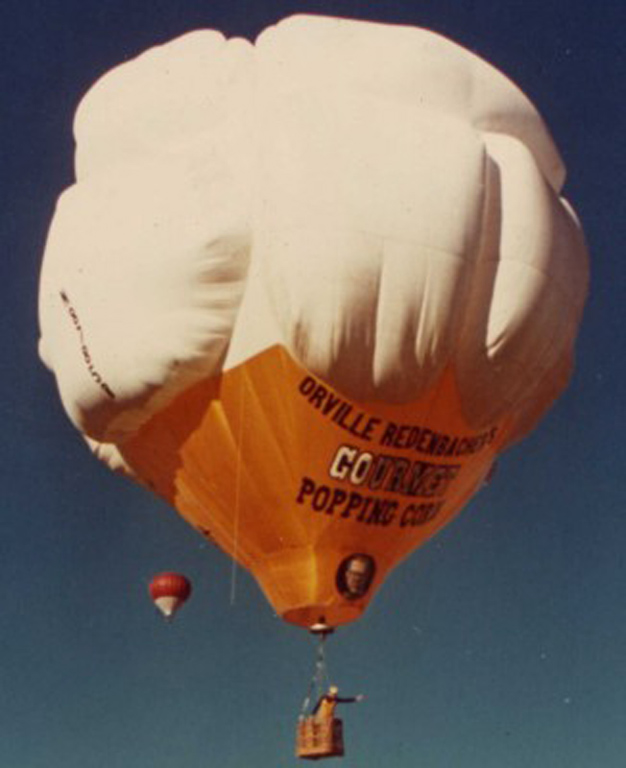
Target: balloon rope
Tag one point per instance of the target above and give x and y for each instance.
(319, 681)
(233, 578)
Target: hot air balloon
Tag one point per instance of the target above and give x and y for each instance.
(308, 289)
(169, 591)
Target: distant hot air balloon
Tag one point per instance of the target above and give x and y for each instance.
(169, 591)
(307, 290)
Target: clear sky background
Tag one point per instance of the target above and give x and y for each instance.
(501, 644)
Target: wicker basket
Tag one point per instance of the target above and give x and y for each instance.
(319, 737)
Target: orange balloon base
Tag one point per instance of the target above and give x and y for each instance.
(317, 495)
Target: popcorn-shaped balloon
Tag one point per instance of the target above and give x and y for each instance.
(308, 289)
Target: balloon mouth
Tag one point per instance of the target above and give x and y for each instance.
(167, 605)
(309, 616)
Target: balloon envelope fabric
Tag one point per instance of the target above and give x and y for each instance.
(307, 289)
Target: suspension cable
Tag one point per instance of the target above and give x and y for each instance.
(320, 679)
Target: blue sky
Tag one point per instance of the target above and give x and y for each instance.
(500, 643)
